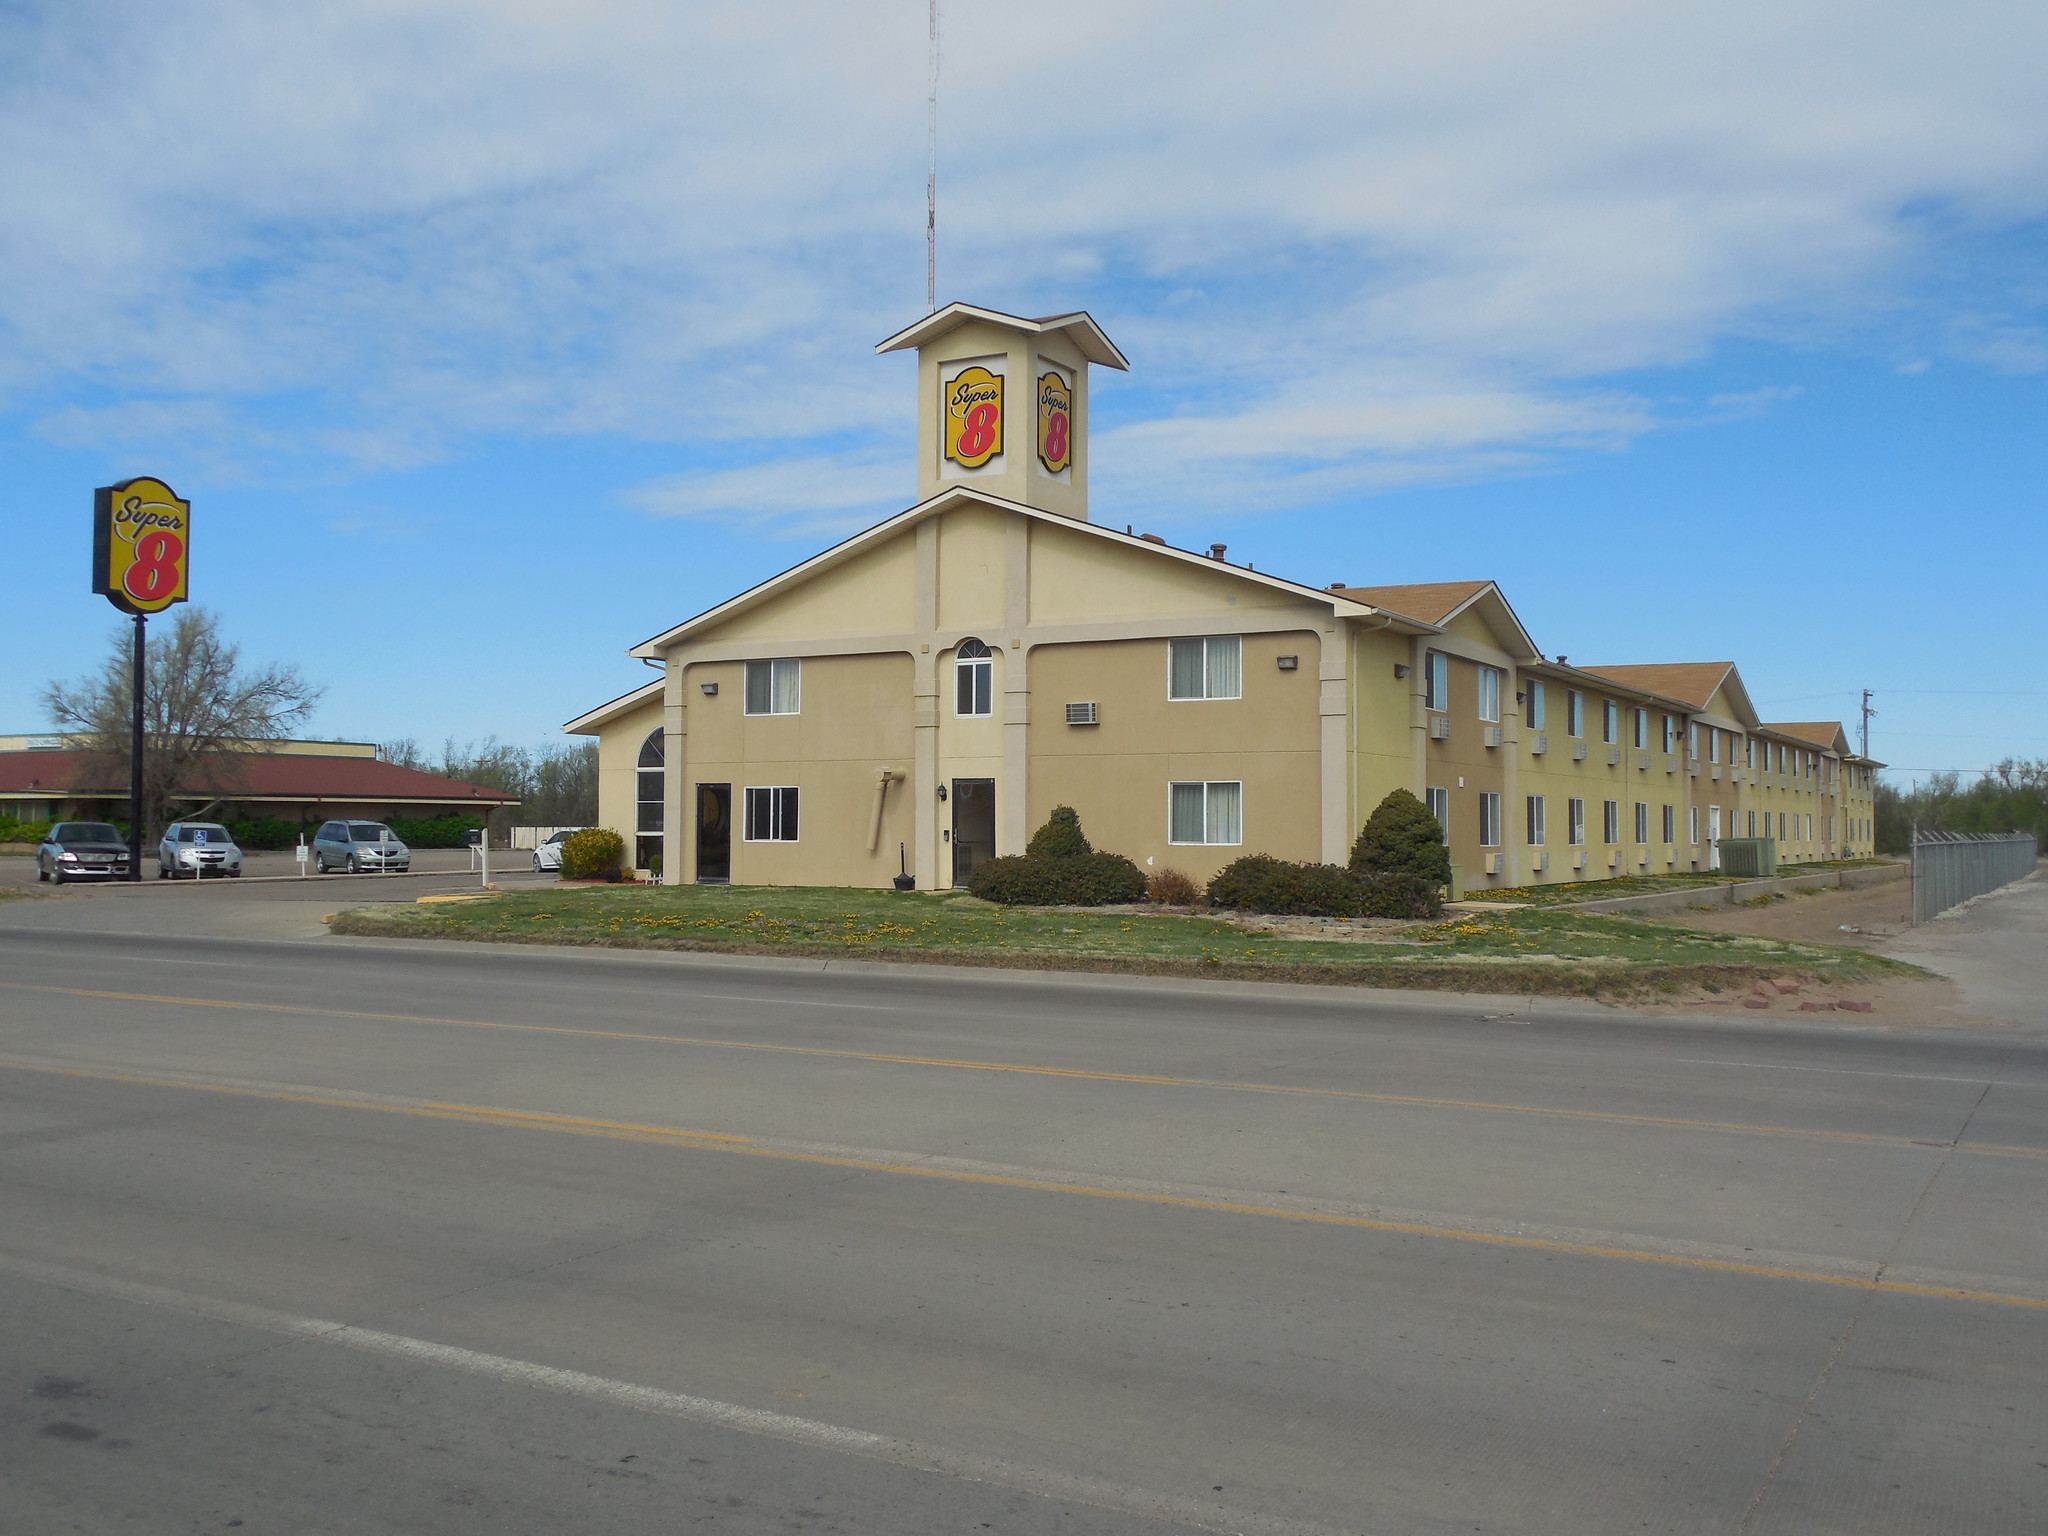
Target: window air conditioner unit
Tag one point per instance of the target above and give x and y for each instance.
(1439, 728)
(1614, 858)
(1495, 736)
(1578, 751)
(1614, 757)
(1538, 745)
(1644, 765)
(1692, 766)
(1540, 862)
(1670, 764)
(1714, 772)
(1082, 714)
(1496, 863)
(1579, 859)
(1735, 775)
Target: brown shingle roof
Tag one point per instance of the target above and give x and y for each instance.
(1691, 682)
(1430, 601)
(270, 776)
(1822, 733)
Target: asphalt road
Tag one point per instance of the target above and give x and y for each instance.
(343, 1236)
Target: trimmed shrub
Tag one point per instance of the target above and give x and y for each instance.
(12, 831)
(1259, 882)
(595, 853)
(1172, 888)
(1400, 895)
(1077, 880)
(1060, 838)
(434, 831)
(1402, 838)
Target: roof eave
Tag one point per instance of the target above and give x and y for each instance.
(1080, 327)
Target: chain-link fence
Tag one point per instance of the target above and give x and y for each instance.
(1951, 867)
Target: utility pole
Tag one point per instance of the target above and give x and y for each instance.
(1867, 713)
(931, 173)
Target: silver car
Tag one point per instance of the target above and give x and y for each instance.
(82, 850)
(192, 850)
(549, 854)
(358, 847)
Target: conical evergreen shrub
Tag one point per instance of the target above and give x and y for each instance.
(1059, 868)
(1060, 838)
(1402, 838)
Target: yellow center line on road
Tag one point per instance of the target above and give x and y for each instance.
(1736, 1127)
(481, 1114)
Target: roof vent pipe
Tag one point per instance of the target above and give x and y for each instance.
(1217, 551)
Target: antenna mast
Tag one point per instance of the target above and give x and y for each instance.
(931, 175)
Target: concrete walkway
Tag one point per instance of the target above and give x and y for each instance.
(1994, 947)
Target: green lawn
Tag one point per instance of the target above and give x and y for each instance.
(1530, 950)
(1644, 885)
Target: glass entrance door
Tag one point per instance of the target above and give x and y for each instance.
(974, 825)
(714, 834)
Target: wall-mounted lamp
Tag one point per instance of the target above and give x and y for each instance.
(1400, 669)
(1289, 663)
(1520, 697)
(942, 794)
(710, 690)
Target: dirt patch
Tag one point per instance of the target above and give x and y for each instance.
(1863, 918)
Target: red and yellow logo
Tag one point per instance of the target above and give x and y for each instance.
(141, 545)
(974, 417)
(1055, 422)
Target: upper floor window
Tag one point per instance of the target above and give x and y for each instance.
(1206, 667)
(1574, 712)
(1610, 721)
(1535, 706)
(1436, 681)
(773, 686)
(1489, 693)
(1692, 739)
(973, 679)
(1713, 745)
(1642, 727)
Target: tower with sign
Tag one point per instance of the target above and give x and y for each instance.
(141, 562)
(1003, 404)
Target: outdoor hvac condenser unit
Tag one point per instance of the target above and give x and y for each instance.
(1753, 858)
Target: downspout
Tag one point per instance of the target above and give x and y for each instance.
(884, 777)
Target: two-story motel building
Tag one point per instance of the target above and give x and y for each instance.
(923, 694)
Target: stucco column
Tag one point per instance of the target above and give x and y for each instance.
(1418, 716)
(676, 850)
(933, 873)
(1514, 832)
(1334, 706)
(1013, 793)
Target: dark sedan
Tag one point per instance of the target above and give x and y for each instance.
(82, 850)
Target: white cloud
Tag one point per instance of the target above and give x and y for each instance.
(1346, 246)
(786, 497)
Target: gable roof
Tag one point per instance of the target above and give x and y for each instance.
(260, 776)
(1828, 735)
(1341, 605)
(586, 724)
(1434, 604)
(1079, 328)
(1689, 682)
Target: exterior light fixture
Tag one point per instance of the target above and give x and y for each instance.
(1400, 669)
(942, 792)
(710, 690)
(1289, 663)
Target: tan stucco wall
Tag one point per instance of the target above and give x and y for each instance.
(618, 758)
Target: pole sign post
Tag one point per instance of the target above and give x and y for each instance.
(141, 558)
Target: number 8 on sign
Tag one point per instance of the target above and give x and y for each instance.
(141, 545)
(974, 417)
(1055, 422)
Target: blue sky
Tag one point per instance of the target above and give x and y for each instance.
(488, 339)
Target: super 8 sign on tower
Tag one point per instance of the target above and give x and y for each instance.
(141, 545)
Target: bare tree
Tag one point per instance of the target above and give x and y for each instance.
(202, 713)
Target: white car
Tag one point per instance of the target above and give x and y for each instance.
(549, 854)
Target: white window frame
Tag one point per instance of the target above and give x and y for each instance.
(1533, 712)
(1642, 824)
(1436, 681)
(1692, 824)
(1610, 823)
(785, 807)
(1670, 735)
(1438, 800)
(1610, 722)
(1537, 817)
(1670, 827)
(1575, 822)
(1214, 648)
(974, 674)
(1489, 694)
(1642, 727)
(1489, 819)
(1210, 813)
(780, 686)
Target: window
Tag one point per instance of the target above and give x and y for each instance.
(1439, 802)
(1489, 819)
(1809, 826)
(648, 793)
(1781, 826)
(1610, 721)
(973, 679)
(1575, 822)
(1205, 813)
(1642, 821)
(1692, 824)
(1489, 693)
(1713, 745)
(1436, 681)
(1574, 712)
(771, 814)
(1749, 752)
(1670, 738)
(1752, 823)
(1692, 739)
(1204, 668)
(772, 687)
(1670, 824)
(1610, 821)
(1536, 820)
(1642, 727)
(1535, 707)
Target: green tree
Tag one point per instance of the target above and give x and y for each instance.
(1060, 838)
(203, 712)
(1402, 838)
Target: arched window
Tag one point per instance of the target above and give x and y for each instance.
(648, 821)
(974, 672)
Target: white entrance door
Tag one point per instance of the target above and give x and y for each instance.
(1713, 837)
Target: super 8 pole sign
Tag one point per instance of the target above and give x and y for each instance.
(141, 545)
